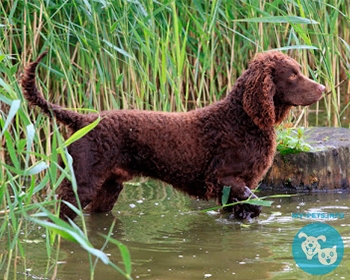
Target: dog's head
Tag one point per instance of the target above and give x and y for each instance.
(274, 83)
(310, 245)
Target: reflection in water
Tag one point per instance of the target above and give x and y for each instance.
(169, 238)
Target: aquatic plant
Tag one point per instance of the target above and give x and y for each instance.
(292, 141)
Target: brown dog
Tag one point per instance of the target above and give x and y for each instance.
(229, 143)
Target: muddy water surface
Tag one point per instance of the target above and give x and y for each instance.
(169, 238)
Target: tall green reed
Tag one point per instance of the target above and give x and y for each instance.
(178, 55)
(29, 179)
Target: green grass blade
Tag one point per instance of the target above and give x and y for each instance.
(79, 134)
(279, 19)
(37, 168)
(15, 105)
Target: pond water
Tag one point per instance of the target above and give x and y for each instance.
(170, 238)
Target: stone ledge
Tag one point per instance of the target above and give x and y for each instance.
(325, 168)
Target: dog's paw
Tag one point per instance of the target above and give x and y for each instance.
(245, 211)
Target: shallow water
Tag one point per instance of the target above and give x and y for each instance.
(169, 238)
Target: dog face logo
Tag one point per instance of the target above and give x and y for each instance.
(311, 246)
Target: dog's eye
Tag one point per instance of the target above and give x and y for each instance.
(293, 76)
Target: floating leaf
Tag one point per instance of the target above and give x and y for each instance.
(244, 225)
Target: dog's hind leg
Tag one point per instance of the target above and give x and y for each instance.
(106, 196)
(88, 184)
(66, 194)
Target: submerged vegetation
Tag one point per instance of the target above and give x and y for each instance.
(155, 55)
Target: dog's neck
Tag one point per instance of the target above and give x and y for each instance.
(281, 112)
(235, 107)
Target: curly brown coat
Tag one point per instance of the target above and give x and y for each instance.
(229, 143)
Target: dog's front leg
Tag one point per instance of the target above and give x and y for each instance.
(235, 190)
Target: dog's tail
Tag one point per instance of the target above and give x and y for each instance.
(34, 97)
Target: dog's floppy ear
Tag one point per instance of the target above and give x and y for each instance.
(302, 234)
(258, 93)
(321, 237)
